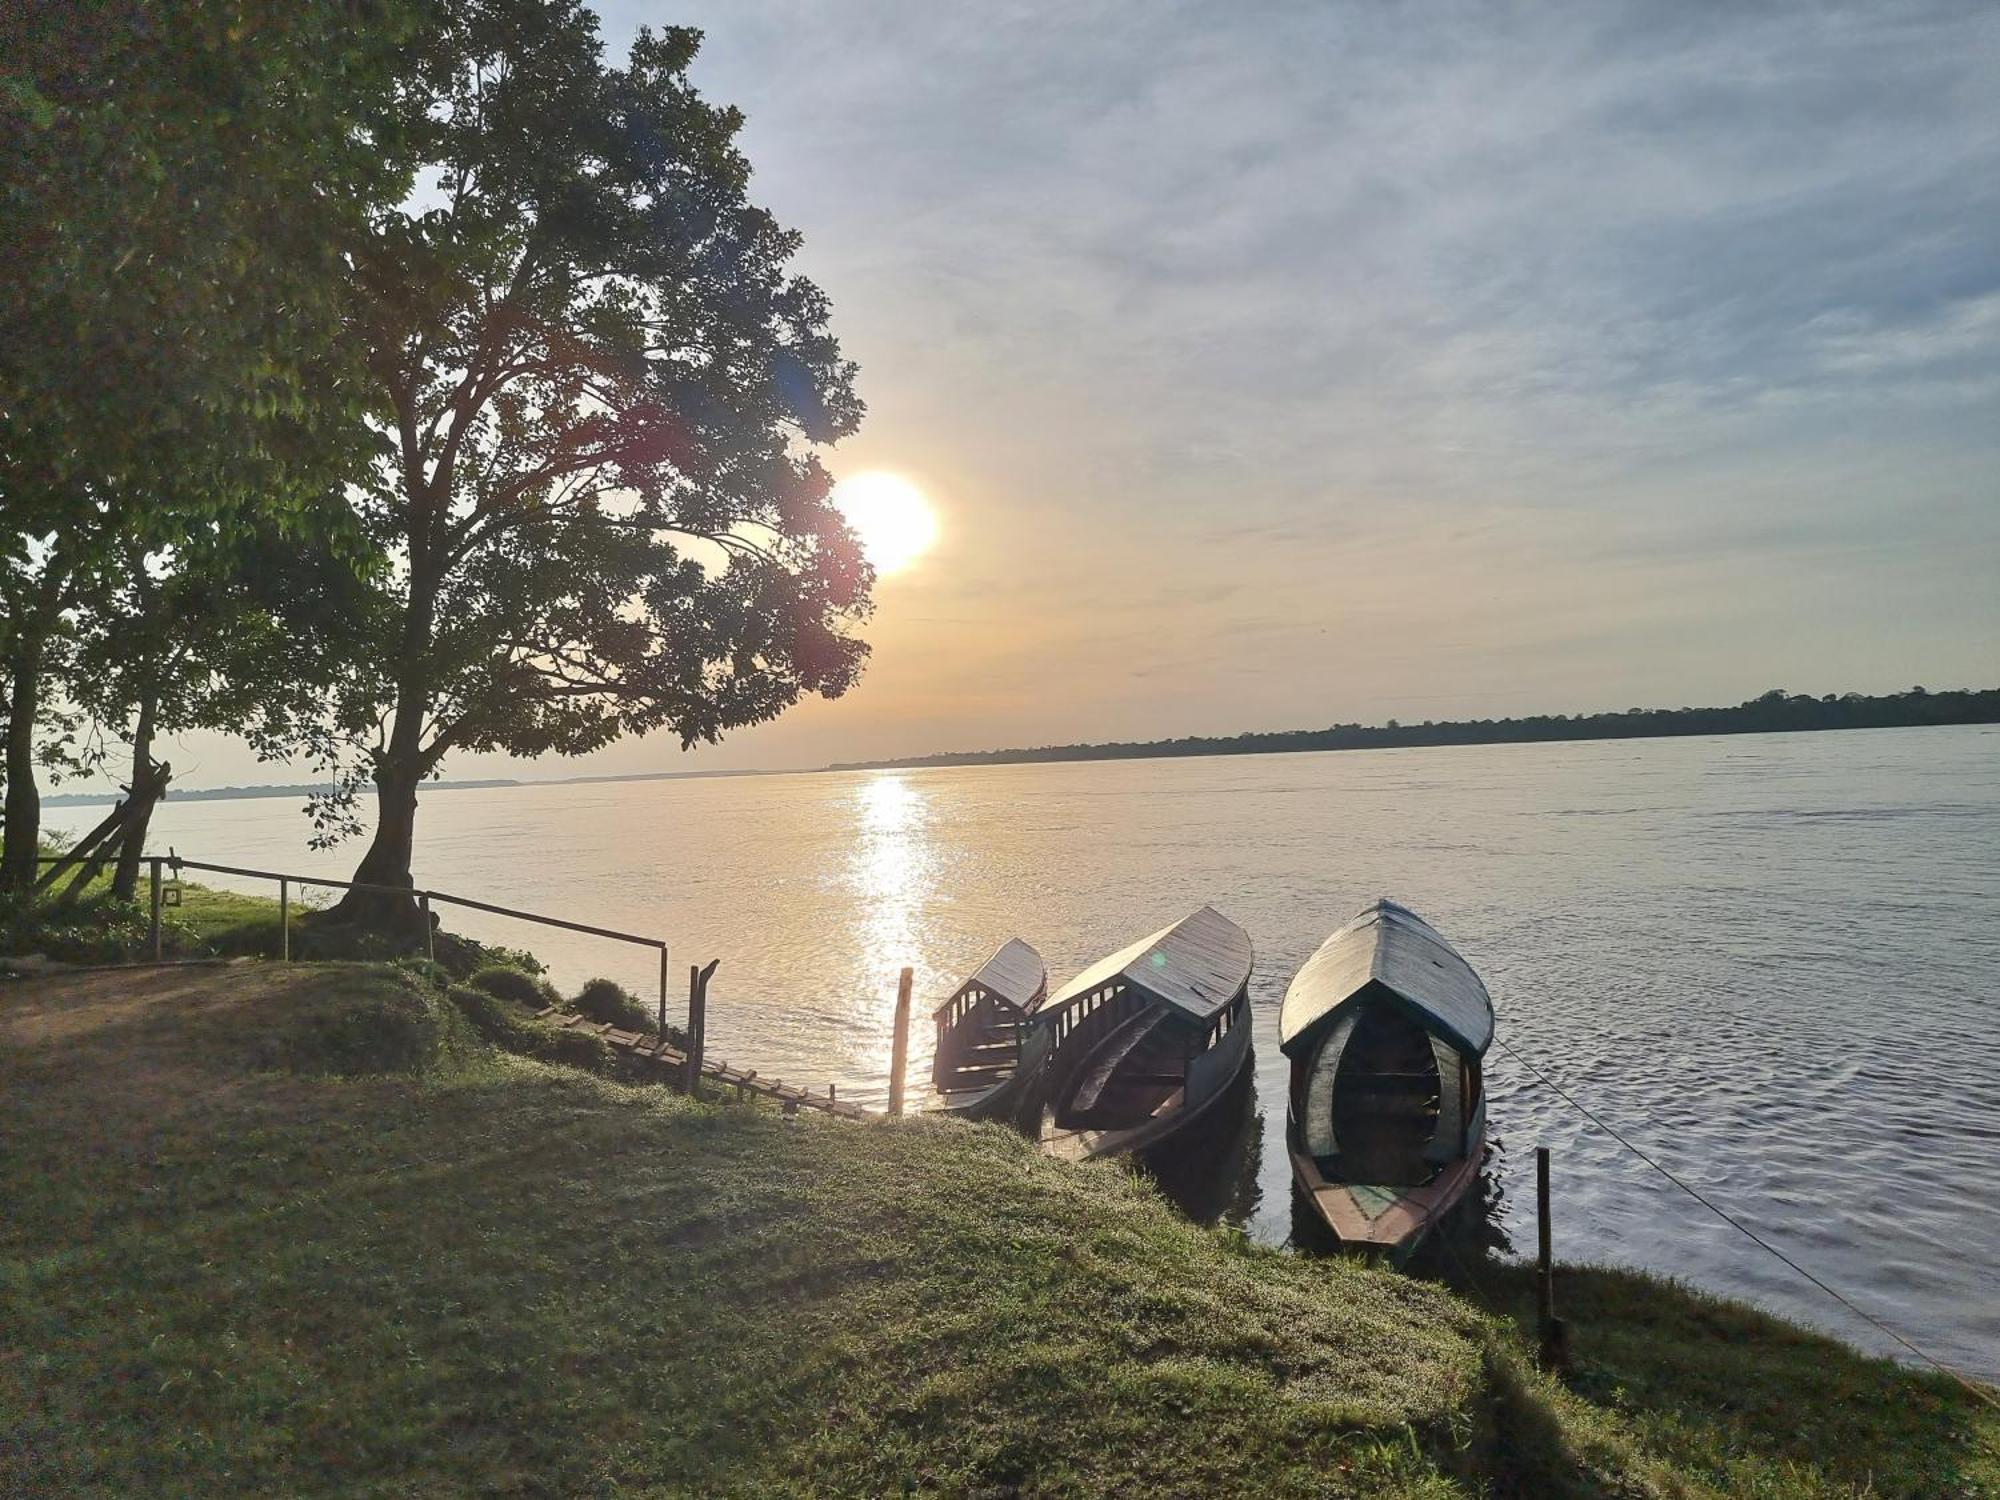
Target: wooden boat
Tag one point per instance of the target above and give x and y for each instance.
(976, 1070)
(1385, 1026)
(1139, 1045)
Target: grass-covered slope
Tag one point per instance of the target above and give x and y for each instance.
(243, 1255)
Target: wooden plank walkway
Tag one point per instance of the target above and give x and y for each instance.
(662, 1059)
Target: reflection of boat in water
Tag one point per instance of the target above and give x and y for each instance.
(1137, 1047)
(1212, 1175)
(981, 1031)
(1385, 1025)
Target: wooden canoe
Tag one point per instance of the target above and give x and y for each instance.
(1139, 1046)
(1386, 1025)
(977, 1070)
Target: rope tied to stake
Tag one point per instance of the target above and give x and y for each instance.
(1748, 1233)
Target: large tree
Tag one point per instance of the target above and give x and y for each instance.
(179, 179)
(604, 388)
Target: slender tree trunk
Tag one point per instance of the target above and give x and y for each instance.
(147, 785)
(398, 774)
(23, 839)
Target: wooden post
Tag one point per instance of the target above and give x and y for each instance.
(663, 994)
(159, 942)
(284, 920)
(698, 978)
(707, 974)
(430, 939)
(899, 1047)
(1554, 1337)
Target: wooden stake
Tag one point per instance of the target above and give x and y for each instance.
(430, 938)
(159, 946)
(1554, 1337)
(698, 979)
(692, 1070)
(663, 994)
(284, 920)
(899, 1048)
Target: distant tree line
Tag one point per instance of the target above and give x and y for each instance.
(381, 379)
(1775, 712)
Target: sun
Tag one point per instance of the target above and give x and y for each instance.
(891, 516)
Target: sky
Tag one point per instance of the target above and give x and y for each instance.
(1274, 365)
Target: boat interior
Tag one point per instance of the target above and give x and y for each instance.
(1137, 1070)
(978, 1047)
(1385, 1101)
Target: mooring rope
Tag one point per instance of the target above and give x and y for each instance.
(1747, 1232)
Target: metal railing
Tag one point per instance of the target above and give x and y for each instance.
(158, 864)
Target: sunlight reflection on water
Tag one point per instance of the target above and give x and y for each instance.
(891, 879)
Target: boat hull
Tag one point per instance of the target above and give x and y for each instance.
(1384, 1220)
(1210, 1080)
(977, 1104)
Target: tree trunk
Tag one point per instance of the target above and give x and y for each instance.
(23, 839)
(387, 862)
(147, 786)
(403, 763)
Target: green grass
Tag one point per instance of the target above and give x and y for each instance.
(229, 923)
(98, 928)
(237, 1259)
(1748, 1400)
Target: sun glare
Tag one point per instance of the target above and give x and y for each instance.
(891, 516)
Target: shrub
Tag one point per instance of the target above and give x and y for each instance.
(505, 982)
(352, 1021)
(323, 937)
(577, 1049)
(603, 1001)
(96, 929)
(501, 1022)
(514, 958)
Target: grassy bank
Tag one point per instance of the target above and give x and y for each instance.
(227, 1269)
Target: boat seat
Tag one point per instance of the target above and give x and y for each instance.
(982, 1070)
(1112, 1052)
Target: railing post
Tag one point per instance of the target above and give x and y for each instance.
(430, 939)
(899, 1047)
(1554, 1337)
(663, 994)
(697, 1023)
(284, 920)
(158, 940)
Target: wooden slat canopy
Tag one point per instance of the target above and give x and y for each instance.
(1016, 974)
(1198, 965)
(1389, 948)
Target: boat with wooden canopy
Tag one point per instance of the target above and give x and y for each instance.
(1139, 1045)
(1386, 1026)
(976, 1070)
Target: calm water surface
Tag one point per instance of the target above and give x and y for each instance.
(1770, 960)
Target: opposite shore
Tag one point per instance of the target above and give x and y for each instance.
(1773, 713)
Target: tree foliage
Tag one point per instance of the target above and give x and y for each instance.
(602, 387)
(179, 178)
